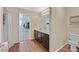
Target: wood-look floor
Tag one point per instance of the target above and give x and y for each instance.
(34, 46)
(66, 48)
(28, 46)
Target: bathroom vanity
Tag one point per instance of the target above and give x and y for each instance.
(41, 30)
(42, 38)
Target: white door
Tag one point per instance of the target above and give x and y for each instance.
(24, 26)
(4, 33)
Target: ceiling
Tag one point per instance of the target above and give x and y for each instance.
(35, 9)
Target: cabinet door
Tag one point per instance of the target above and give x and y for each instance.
(39, 37)
(35, 34)
(45, 40)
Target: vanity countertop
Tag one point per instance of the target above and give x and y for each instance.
(43, 31)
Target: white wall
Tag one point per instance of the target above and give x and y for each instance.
(44, 27)
(39, 23)
(34, 23)
(58, 35)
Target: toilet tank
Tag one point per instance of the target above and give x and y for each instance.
(74, 37)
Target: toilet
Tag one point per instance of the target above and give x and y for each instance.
(74, 42)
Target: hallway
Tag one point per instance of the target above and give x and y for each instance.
(28, 46)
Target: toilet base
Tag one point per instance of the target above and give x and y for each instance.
(73, 48)
(74, 45)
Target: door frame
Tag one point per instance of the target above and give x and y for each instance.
(19, 24)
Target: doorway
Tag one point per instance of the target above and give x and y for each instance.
(24, 27)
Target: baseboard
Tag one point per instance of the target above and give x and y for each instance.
(61, 47)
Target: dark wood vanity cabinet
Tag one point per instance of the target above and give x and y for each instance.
(42, 38)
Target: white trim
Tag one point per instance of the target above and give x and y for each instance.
(61, 47)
